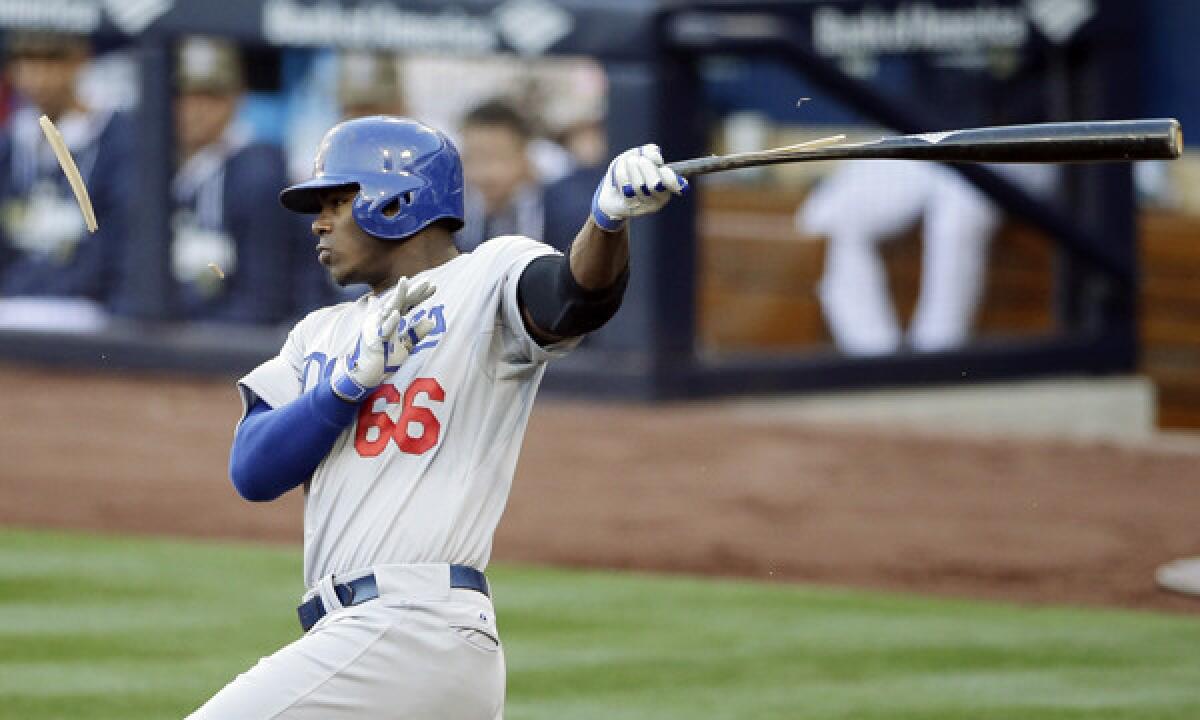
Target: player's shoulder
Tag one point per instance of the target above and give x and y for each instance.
(259, 158)
(505, 248)
(324, 316)
(114, 121)
(112, 130)
(508, 243)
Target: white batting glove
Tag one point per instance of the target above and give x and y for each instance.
(637, 183)
(365, 371)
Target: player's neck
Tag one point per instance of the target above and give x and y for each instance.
(429, 248)
(66, 105)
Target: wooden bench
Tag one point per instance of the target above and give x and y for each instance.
(1170, 314)
(758, 278)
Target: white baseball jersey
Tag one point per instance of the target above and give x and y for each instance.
(424, 472)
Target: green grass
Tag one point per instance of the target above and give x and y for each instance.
(96, 627)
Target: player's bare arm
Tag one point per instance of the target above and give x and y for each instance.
(566, 297)
(598, 257)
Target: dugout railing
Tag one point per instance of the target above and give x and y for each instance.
(651, 53)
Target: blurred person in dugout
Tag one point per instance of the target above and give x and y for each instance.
(865, 203)
(582, 132)
(225, 211)
(367, 84)
(53, 273)
(505, 195)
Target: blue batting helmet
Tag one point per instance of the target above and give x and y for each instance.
(408, 175)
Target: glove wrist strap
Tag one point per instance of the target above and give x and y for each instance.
(348, 389)
(605, 222)
(601, 218)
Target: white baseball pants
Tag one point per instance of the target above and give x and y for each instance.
(422, 650)
(865, 203)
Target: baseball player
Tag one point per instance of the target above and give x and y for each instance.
(402, 414)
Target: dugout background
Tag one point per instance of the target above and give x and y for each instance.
(658, 58)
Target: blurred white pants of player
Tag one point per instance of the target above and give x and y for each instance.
(56, 314)
(868, 202)
(422, 650)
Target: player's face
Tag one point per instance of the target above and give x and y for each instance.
(201, 118)
(495, 163)
(351, 255)
(48, 82)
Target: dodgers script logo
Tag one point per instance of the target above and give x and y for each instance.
(319, 365)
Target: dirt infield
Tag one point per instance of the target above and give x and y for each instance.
(696, 488)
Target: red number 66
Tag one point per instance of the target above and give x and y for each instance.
(376, 428)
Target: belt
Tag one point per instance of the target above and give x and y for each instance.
(360, 590)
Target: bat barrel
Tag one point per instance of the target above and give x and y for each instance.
(1071, 142)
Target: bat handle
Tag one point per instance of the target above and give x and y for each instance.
(720, 163)
(756, 158)
(695, 166)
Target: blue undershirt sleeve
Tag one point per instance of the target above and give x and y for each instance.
(276, 449)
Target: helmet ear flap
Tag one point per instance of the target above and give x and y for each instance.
(396, 204)
(380, 214)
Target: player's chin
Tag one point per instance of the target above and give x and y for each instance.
(330, 263)
(341, 275)
(341, 279)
